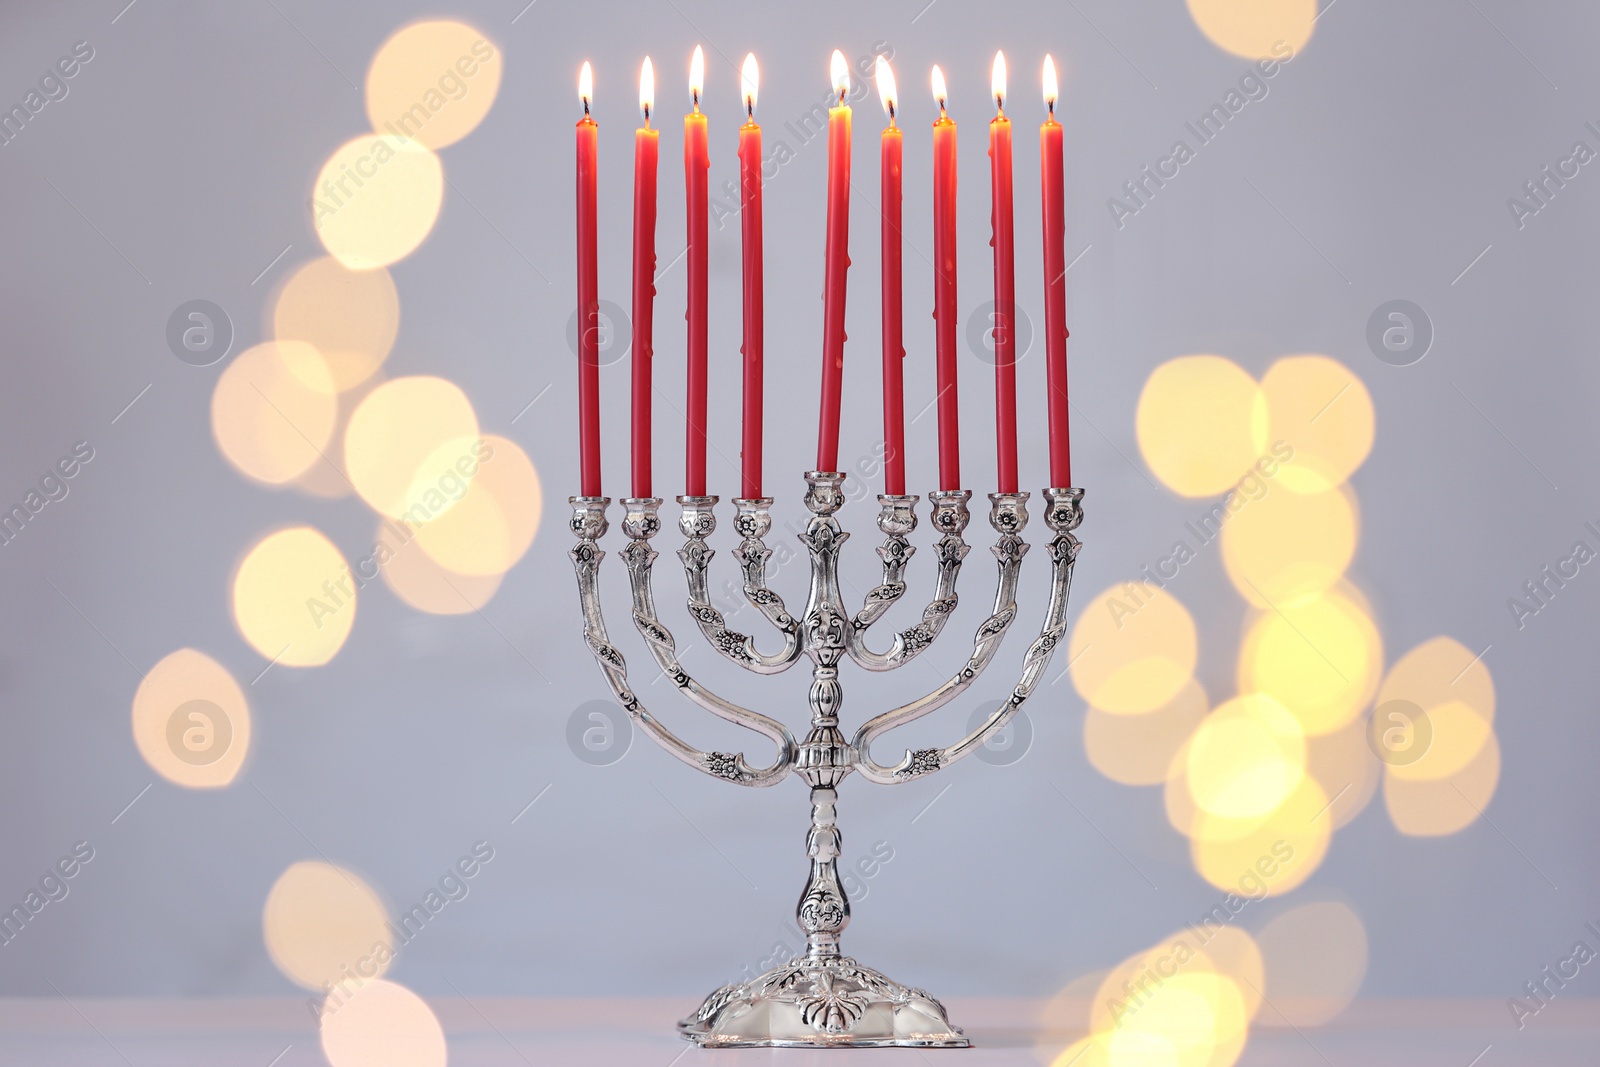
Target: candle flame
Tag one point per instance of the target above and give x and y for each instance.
(938, 88)
(1050, 83)
(886, 90)
(586, 85)
(647, 89)
(841, 74)
(697, 75)
(997, 81)
(750, 78)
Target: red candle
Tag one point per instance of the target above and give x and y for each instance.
(588, 297)
(838, 262)
(696, 164)
(1055, 284)
(945, 312)
(1002, 240)
(894, 352)
(646, 146)
(754, 301)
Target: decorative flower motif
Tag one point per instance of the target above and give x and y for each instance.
(831, 1010)
(923, 761)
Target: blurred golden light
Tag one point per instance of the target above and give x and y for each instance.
(1321, 660)
(327, 479)
(1323, 410)
(1432, 808)
(403, 443)
(377, 199)
(1441, 671)
(1457, 735)
(191, 721)
(273, 410)
(350, 318)
(1256, 29)
(324, 924)
(1168, 1005)
(1276, 854)
(493, 523)
(417, 579)
(1245, 758)
(1345, 767)
(1316, 959)
(1201, 424)
(1138, 749)
(432, 82)
(294, 598)
(383, 1025)
(1283, 549)
(1234, 953)
(1132, 649)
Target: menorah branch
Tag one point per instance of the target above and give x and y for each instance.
(753, 520)
(589, 523)
(897, 517)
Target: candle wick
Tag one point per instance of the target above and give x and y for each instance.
(586, 107)
(891, 113)
(750, 109)
(647, 116)
(1051, 104)
(999, 104)
(696, 94)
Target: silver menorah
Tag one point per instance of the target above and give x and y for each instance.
(823, 998)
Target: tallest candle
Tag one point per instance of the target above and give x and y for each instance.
(944, 289)
(1003, 239)
(696, 163)
(588, 297)
(754, 298)
(1055, 284)
(837, 254)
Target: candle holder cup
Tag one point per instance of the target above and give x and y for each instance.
(823, 998)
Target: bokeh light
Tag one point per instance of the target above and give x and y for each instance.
(383, 1024)
(350, 317)
(433, 81)
(376, 200)
(1457, 733)
(1267, 856)
(489, 528)
(1346, 768)
(1245, 758)
(1201, 424)
(273, 410)
(1316, 958)
(1322, 660)
(1168, 1005)
(1441, 671)
(1256, 29)
(406, 445)
(323, 924)
(1138, 749)
(1132, 649)
(1323, 411)
(1433, 808)
(294, 598)
(420, 582)
(1283, 548)
(191, 721)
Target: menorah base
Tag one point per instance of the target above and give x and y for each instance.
(827, 1002)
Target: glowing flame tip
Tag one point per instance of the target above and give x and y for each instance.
(750, 82)
(647, 88)
(884, 76)
(697, 74)
(841, 73)
(1050, 83)
(998, 80)
(586, 85)
(939, 93)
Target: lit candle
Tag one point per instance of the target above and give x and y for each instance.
(1002, 239)
(754, 300)
(838, 262)
(696, 163)
(894, 352)
(1055, 283)
(588, 296)
(646, 145)
(945, 311)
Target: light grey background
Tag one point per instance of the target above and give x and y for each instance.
(180, 165)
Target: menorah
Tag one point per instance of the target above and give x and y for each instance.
(823, 998)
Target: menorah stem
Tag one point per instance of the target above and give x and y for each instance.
(824, 910)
